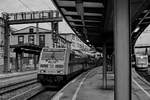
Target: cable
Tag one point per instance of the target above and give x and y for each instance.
(31, 9)
(45, 4)
(25, 5)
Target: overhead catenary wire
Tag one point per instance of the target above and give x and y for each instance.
(25, 5)
(45, 4)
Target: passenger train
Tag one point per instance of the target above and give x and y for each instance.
(59, 65)
(141, 62)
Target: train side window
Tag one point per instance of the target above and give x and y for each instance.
(71, 57)
(77, 56)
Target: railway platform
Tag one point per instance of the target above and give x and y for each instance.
(88, 86)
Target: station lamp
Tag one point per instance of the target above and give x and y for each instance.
(87, 41)
(136, 29)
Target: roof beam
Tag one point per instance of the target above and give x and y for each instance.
(148, 22)
(91, 4)
(144, 18)
(109, 16)
(88, 26)
(80, 10)
(70, 13)
(89, 21)
(85, 14)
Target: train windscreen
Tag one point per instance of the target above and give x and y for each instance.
(142, 60)
(53, 54)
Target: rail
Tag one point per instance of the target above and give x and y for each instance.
(22, 86)
(140, 87)
(17, 74)
(5, 92)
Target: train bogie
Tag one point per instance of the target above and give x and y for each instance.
(51, 80)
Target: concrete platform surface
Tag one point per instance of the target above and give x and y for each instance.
(88, 86)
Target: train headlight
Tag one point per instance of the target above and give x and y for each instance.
(42, 71)
(60, 71)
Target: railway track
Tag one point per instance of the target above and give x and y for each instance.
(19, 88)
(140, 86)
(26, 95)
(15, 86)
(8, 76)
(44, 95)
(21, 91)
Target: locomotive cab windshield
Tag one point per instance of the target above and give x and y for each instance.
(53, 55)
(52, 60)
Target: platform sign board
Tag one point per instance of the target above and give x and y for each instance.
(34, 17)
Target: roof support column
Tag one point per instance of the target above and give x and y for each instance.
(121, 41)
(17, 64)
(21, 62)
(37, 34)
(104, 67)
(35, 61)
(6, 44)
(54, 27)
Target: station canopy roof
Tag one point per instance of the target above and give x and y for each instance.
(92, 20)
(27, 48)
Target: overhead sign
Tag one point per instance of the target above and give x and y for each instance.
(34, 17)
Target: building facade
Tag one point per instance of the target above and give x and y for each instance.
(76, 43)
(1, 43)
(30, 36)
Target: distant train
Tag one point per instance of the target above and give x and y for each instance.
(59, 65)
(141, 62)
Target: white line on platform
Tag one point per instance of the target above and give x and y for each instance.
(141, 88)
(75, 94)
(58, 96)
(55, 97)
(73, 80)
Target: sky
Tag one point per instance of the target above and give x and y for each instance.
(12, 6)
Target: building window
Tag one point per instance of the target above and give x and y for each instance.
(31, 39)
(73, 37)
(20, 39)
(42, 40)
(73, 44)
(31, 30)
(78, 45)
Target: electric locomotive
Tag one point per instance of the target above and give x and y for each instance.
(59, 65)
